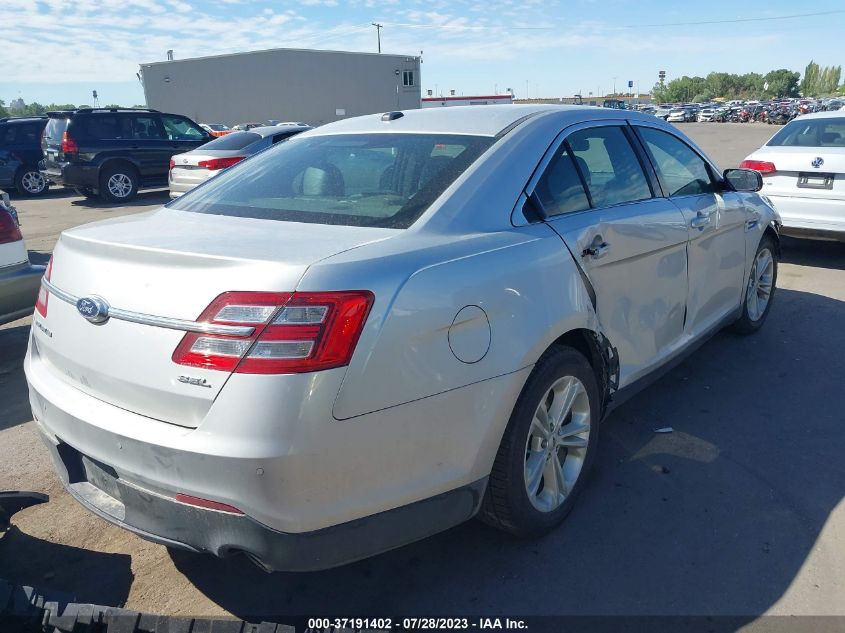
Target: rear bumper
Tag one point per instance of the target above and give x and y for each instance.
(70, 175)
(19, 286)
(178, 525)
(810, 217)
(315, 491)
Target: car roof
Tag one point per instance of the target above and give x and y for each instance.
(828, 114)
(480, 120)
(22, 119)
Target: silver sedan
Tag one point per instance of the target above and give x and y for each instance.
(386, 326)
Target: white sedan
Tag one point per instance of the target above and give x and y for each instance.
(803, 170)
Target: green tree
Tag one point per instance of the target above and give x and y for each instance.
(782, 83)
(810, 82)
(3, 110)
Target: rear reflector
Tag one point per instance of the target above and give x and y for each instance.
(43, 295)
(206, 503)
(220, 163)
(293, 333)
(9, 229)
(764, 167)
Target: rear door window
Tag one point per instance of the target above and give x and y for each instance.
(611, 169)
(146, 127)
(105, 127)
(681, 170)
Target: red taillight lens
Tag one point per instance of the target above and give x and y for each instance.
(172, 163)
(43, 295)
(220, 163)
(69, 146)
(293, 333)
(9, 229)
(764, 167)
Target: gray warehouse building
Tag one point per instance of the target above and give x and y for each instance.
(312, 86)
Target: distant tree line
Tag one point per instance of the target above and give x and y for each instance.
(17, 107)
(817, 81)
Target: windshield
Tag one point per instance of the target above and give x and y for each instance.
(218, 127)
(235, 140)
(379, 180)
(811, 133)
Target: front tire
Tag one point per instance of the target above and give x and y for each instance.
(118, 184)
(547, 448)
(760, 288)
(31, 182)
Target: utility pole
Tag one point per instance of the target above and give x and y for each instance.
(378, 33)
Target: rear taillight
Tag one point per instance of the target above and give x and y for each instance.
(69, 146)
(220, 163)
(172, 163)
(764, 167)
(293, 332)
(9, 229)
(43, 295)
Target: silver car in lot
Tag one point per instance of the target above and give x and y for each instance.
(803, 170)
(386, 326)
(195, 167)
(19, 279)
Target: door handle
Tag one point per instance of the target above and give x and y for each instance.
(700, 221)
(598, 249)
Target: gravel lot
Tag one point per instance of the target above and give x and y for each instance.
(738, 512)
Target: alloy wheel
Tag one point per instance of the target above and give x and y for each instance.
(119, 185)
(557, 443)
(33, 182)
(760, 284)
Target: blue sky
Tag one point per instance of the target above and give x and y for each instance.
(59, 50)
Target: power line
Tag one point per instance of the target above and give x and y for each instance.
(737, 20)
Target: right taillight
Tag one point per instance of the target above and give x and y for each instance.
(214, 164)
(9, 229)
(764, 167)
(69, 146)
(43, 294)
(292, 332)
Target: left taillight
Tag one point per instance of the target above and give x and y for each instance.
(291, 332)
(43, 294)
(9, 229)
(213, 164)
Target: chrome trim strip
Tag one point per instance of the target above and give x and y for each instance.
(156, 321)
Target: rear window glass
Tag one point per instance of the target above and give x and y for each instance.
(811, 133)
(235, 140)
(54, 130)
(380, 180)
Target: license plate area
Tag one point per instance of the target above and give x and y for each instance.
(815, 181)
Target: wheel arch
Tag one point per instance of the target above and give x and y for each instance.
(119, 161)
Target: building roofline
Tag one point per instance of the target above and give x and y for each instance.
(467, 97)
(276, 50)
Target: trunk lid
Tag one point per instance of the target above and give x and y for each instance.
(172, 264)
(794, 162)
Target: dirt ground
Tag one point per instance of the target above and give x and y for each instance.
(738, 512)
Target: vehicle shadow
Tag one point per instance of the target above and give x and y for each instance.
(14, 394)
(815, 253)
(48, 565)
(39, 258)
(144, 198)
(52, 192)
(716, 517)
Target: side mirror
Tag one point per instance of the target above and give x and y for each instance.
(744, 179)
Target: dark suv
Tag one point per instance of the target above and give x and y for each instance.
(114, 152)
(20, 153)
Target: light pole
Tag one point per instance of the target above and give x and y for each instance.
(379, 27)
(614, 86)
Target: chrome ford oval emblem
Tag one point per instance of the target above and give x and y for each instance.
(818, 161)
(94, 309)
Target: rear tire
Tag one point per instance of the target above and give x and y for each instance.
(760, 288)
(31, 182)
(119, 183)
(548, 447)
